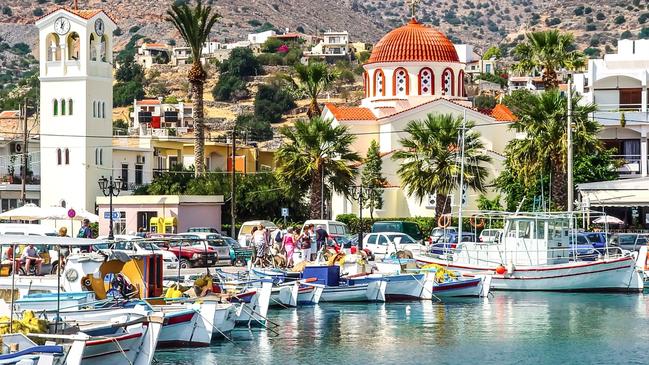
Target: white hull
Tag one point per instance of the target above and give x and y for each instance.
(374, 291)
(186, 327)
(254, 313)
(407, 287)
(224, 319)
(462, 287)
(618, 274)
(285, 295)
(310, 294)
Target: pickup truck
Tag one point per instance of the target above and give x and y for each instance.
(189, 255)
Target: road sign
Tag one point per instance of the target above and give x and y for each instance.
(284, 212)
(107, 215)
(71, 213)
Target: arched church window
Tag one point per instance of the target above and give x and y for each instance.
(56, 107)
(103, 110)
(103, 48)
(379, 83)
(74, 46)
(58, 156)
(401, 82)
(62, 106)
(96, 156)
(366, 84)
(426, 82)
(93, 48)
(447, 82)
(460, 83)
(53, 47)
(101, 156)
(67, 156)
(70, 106)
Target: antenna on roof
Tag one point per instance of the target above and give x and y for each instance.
(413, 7)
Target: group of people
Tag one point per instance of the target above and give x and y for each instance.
(309, 241)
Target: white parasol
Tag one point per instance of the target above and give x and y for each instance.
(28, 212)
(608, 219)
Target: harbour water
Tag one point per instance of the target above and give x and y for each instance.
(506, 328)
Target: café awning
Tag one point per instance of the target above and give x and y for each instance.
(615, 193)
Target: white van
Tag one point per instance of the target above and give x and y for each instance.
(334, 228)
(244, 236)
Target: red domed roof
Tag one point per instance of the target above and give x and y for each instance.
(414, 42)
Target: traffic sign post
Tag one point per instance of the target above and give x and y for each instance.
(285, 215)
(115, 215)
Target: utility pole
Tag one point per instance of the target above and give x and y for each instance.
(322, 187)
(570, 177)
(233, 181)
(23, 173)
(461, 189)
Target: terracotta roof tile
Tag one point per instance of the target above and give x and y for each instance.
(155, 45)
(414, 42)
(9, 114)
(350, 113)
(148, 102)
(502, 113)
(83, 13)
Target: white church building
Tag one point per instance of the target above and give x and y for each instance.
(76, 98)
(413, 71)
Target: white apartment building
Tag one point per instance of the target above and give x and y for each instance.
(333, 46)
(157, 118)
(473, 62)
(617, 83)
(149, 54)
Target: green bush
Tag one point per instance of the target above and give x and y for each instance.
(619, 19)
(241, 63)
(426, 224)
(257, 129)
(229, 88)
(254, 22)
(20, 49)
(7, 11)
(118, 32)
(644, 33)
(484, 102)
(134, 29)
(643, 18)
(38, 12)
(125, 92)
(579, 11)
(271, 102)
(591, 27)
(626, 35)
(600, 16)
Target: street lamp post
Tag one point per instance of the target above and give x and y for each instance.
(110, 187)
(359, 193)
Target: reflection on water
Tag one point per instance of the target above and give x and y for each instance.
(509, 328)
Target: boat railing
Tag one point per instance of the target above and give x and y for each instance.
(482, 253)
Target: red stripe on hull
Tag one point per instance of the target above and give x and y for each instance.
(559, 276)
(179, 319)
(113, 339)
(456, 286)
(478, 268)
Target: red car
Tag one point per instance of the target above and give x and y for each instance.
(188, 254)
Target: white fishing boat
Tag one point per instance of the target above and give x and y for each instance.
(309, 294)
(461, 286)
(401, 286)
(186, 326)
(285, 295)
(255, 299)
(58, 350)
(534, 253)
(371, 291)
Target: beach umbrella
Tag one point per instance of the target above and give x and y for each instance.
(28, 212)
(608, 219)
(84, 214)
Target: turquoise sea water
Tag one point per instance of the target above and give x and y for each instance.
(508, 328)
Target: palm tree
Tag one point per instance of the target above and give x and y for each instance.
(313, 79)
(429, 158)
(195, 24)
(543, 121)
(316, 151)
(548, 51)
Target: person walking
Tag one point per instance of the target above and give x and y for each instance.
(85, 231)
(260, 239)
(288, 246)
(321, 237)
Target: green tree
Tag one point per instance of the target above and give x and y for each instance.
(257, 129)
(230, 88)
(313, 79)
(544, 124)
(619, 19)
(548, 51)
(194, 25)
(271, 102)
(241, 63)
(484, 102)
(493, 51)
(372, 178)
(315, 151)
(429, 158)
(125, 92)
(485, 203)
(129, 70)
(120, 127)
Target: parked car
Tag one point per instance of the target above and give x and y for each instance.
(629, 241)
(188, 255)
(386, 243)
(490, 235)
(448, 242)
(438, 232)
(200, 235)
(246, 228)
(140, 246)
(203, 229)
(597, 239)
(219, 246)
(583, 248)
(410, 228)
(334, 228)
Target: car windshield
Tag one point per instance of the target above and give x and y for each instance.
(232, 242)
(148, 246)
(215, 242)
(404, 238)
(178, 243)
(627, 239)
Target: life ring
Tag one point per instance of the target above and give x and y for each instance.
(444, 221)
(479, 224)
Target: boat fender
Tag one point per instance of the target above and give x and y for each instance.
(444, 221)
(477, 222)
(510, 268)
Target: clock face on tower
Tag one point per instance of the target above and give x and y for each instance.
(62, 26)
(99, 27)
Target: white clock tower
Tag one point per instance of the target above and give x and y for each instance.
(76, 74)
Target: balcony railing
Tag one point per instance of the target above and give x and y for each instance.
(631, 166)
(619, 107)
